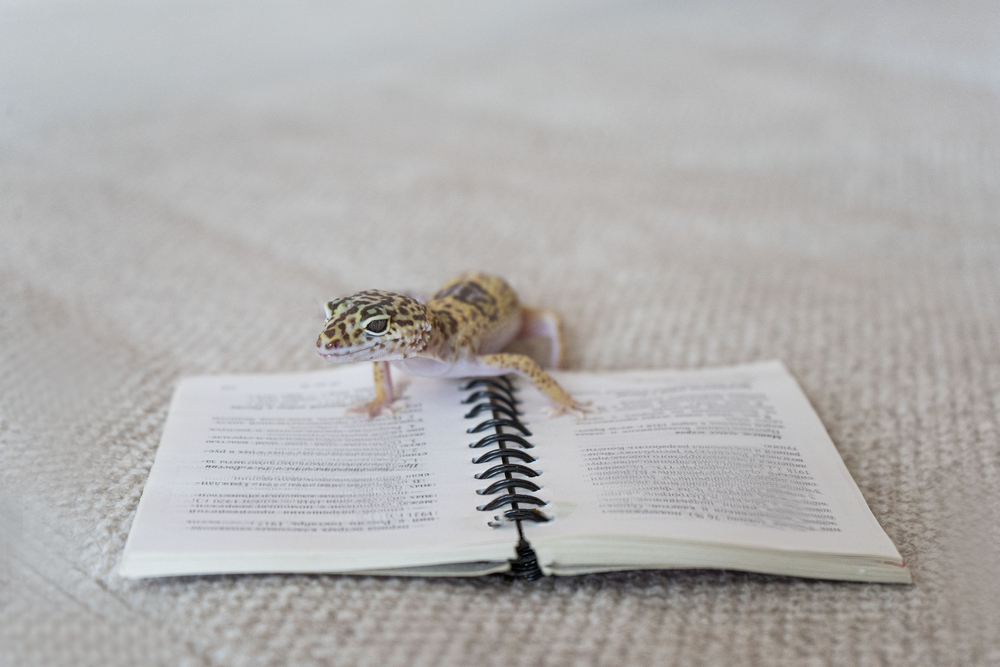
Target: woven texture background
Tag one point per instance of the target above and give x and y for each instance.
(689, 184)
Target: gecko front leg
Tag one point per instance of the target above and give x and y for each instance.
(384, 395)
(562, 402)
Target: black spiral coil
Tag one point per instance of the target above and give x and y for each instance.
(496, 396)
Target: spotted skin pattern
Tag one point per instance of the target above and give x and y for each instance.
(459, 332)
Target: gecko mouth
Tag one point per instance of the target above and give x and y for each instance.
(361, 354)
(374, 353)
(342, 355)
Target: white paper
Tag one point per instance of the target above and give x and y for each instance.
(732, 456)
(267, 473)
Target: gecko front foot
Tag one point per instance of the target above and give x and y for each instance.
(377, 408)
(387, 401)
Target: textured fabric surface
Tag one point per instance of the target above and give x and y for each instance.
(689, 184)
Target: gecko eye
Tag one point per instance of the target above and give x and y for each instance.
(377, 325)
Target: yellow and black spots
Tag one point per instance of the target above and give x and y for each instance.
(478, 296)
(468, 311)
(371, 323)
(460, 332)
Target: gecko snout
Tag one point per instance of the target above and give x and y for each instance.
(322, 342)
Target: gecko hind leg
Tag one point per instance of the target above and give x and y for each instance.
(562, 402)
(545, 323)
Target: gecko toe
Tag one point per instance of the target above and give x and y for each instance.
(578, 409)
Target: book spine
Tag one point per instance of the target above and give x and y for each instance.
(511, 468)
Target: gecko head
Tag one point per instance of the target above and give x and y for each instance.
(373, 326)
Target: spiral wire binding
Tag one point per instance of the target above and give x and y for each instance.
(496, 396)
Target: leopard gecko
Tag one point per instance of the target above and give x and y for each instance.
(459, 332)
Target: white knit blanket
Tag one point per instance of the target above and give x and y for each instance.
(689, 184)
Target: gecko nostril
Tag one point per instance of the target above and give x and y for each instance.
(329, 345)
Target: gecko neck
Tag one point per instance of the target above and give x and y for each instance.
(443, 325)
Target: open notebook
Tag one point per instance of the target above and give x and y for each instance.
(717, 468)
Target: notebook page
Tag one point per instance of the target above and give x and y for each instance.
(267, 473)
(733, 456)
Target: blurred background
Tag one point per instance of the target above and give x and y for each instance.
(688, 183)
